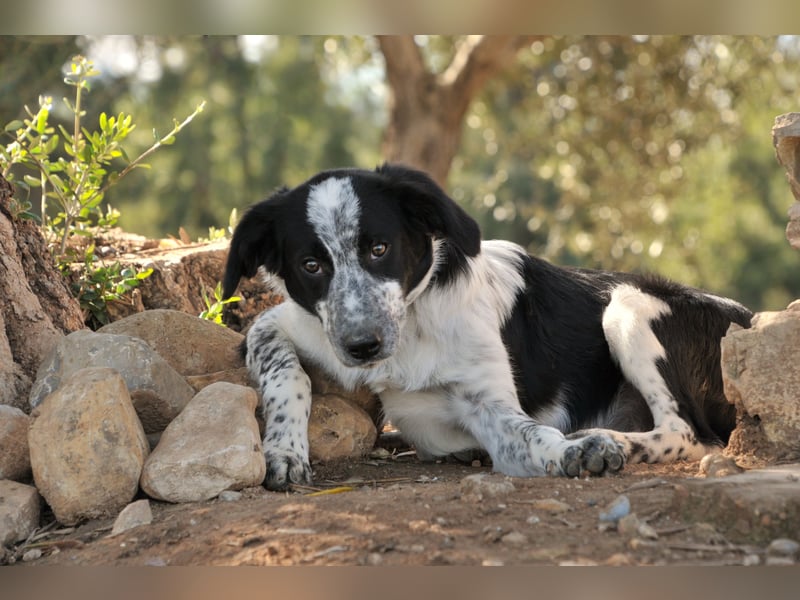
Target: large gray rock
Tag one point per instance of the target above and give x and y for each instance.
(87, 446)
(19, 511)
(761, 375)
(212, 446)
(338, 429)
(157, 390)
(15, 462)
(191, 345)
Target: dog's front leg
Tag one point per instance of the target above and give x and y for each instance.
(521, 447)
(285, 404)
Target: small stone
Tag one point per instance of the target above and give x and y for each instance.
(230, 496)
(514, 538)
(135, 514)
(418, 526)
(779, 561)
(533, 520)
(380, 454)
(718, 465)
(551, 505)
(751, 560)
(783, 547)
(374, 559)
(492, 562)
(475, 488)
(15, 461)
(19, 511)
(31, 555)
(706, 533)
(619, 560)
(647, 532)
(617, 509)
(628, 526)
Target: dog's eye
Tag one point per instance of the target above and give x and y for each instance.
(312, 266)
(378, 249)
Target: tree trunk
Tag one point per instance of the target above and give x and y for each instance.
(427, 109)
(36, 306)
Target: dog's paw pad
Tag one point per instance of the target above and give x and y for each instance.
(593, 454)
(284, 469)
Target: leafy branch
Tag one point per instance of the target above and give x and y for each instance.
(78, 182)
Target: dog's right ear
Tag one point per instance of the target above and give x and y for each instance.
(256, 242)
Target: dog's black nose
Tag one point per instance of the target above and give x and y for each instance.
(364, 348)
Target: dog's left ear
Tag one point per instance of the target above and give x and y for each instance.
(430, 209)
(256, 242)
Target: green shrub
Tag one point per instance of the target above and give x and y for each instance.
(76, 185)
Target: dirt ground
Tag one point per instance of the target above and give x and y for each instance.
(396, 511)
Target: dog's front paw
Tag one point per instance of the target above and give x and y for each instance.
(285, 468)
(595, 454)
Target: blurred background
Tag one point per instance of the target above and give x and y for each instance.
(645, 153)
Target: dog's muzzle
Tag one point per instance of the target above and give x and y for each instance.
(364, 348)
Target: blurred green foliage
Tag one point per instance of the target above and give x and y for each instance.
(636, 153)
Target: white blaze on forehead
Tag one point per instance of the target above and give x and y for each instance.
(334, 210)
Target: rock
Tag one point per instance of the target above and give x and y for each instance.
(31, 555)
(87, 446)
(212, 446)
(628, 526)
(238, 376)
(758, 505)
(718, 465)
(793, 227)
(338, 429)
(533, 520)
(761, 377)
(783, 547)
(19, 511)
(618, 508)
(619, 559)
(135, 514)
(476, 487)
(230, 496)
(191, 345)
(158, 392)
(550, 505)
(362, 397)
(15, 462)
(706, 533)
(786, 139)
(514, 538)
(647, 531)
(182, 273)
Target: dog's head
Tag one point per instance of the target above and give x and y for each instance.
(355, 248)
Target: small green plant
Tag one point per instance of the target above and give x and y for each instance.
(76, 182)
(218, 233)
(213, 311)
(99, 284)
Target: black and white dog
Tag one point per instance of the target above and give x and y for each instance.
(471, 344)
